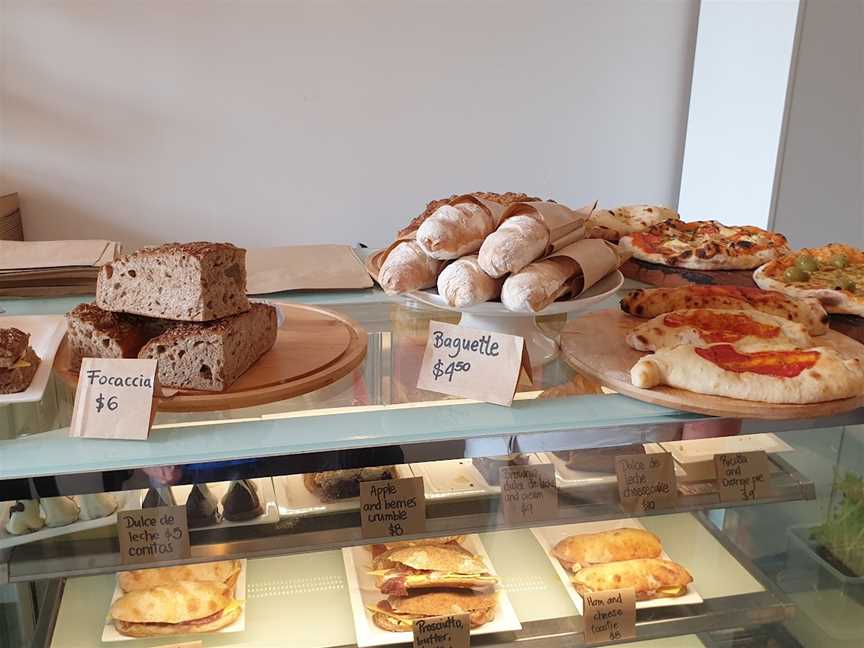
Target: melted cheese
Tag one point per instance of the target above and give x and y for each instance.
(672, 591)
(20, 364)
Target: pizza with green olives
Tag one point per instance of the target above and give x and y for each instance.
(833, 274)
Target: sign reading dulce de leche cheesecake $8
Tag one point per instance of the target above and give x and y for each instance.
(481, 365)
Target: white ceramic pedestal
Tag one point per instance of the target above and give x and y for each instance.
(541, 347)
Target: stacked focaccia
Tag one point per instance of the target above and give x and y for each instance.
(184, 305)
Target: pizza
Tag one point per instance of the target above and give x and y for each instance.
(612, 224)
(743, 329)
(705, 245)
(833, 274)
(792, 376)
(651, 302)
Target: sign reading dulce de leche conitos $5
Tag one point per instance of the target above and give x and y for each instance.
(114, 399)
(476, 364)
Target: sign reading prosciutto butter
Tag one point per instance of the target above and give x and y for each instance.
(153, 534)
(784, 364)
(392, 507)
(114, 399)
(482, 365)
(609, 615)
(452, 631)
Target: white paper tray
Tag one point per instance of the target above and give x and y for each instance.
(457, 478)
(362, 592)
(46, 333)
(125, 500)
(695, 457)
(549, 536)
(110, 634)
(295, 500)
(266, 493)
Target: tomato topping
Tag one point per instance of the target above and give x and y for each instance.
(647, 242)
(722, 327)
(780, 364)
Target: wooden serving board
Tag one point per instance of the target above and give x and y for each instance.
(662, 276)
(594, 345)
(314, 348)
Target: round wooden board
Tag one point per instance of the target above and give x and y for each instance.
(594, 345)
(662, 276)
(314, 348)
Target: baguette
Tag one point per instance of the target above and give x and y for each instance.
(518, 241)
(463, 283)
(539, 284)
(455, 230)
(408, 268)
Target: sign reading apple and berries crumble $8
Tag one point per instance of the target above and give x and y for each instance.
(392, 507)
(476, 364)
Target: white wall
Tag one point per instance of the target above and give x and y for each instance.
(821, 190)
(309, 121)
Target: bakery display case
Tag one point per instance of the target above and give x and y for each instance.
(274, 490)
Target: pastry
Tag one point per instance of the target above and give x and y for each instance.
(18, 361)
(452, 231)
(463, 283)
(159, 496)
(24, 517)
(194, 282)
(332, 485)
(97, 505)
(202, 508)
(212, 356)
(241, 501)
(59, 511)
(539, 284)
(651, 302)
(407, 268)
(518, 241)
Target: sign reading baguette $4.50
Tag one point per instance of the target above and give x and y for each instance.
(482, 365)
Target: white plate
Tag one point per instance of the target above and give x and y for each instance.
(125, 499)
(266, 493)
(548, 537)
(569, 478)
(696, 456)
(457, 478)
(110, 634)
(596, 293)
(295, 500)
(362, 592)
(46, 333)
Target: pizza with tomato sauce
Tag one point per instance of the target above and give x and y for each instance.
(777, 375)
(742, 329)
(651, 302)
(705, 245)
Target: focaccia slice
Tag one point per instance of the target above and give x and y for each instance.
(743, 329)
(651, 302)
(791, 376)
(612, 224)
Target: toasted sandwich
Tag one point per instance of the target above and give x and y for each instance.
(446, 541)
(182, 608)
(221, 572)
(18, 361)
(398, 614)
(586, 549)
(650, 578)
(402, 570)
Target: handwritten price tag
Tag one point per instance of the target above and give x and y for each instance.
(528, 493)
(392, 507)
(153, 534)
(609, 616)
(646, 482)
(114, 399)
(743, 476)
(471, 363)
(453, 631)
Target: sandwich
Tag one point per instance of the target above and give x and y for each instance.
(223, 572)
(585, 549)
(185, 607)
(403, 570)
(398, 614)
(650, 578)
(18, 361)
(446, 541)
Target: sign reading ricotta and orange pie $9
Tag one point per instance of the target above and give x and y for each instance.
(476, 364)
(743, 476)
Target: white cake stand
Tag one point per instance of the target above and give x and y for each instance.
(492, 316)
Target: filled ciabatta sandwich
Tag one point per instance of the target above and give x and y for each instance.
(650, 578)
(579, 551)
(402, 570)
(222, 571)
(398, 614)
(182, 608)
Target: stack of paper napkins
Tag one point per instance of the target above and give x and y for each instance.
(53, 268)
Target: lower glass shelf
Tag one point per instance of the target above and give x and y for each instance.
(305, 597)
